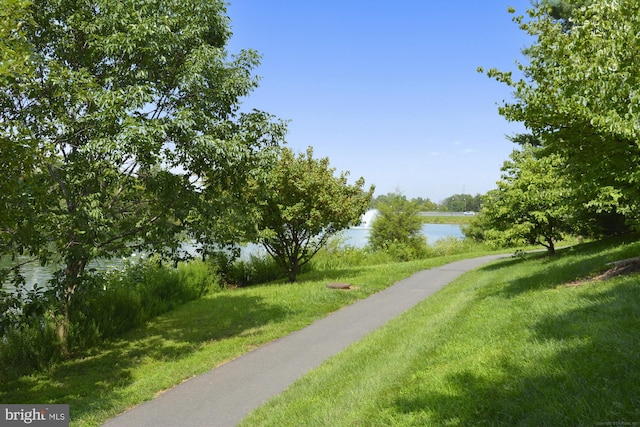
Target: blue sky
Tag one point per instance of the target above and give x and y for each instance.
(388, 90)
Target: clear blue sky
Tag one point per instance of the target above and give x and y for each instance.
(388, 90)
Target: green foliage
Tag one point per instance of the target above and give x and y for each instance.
(113, 302)
(335, 256)
(462, 203)
(344, 258)
(578, 96)
(125, 133)
(14, 50)
(530, 203)
(107, 305)
(424, 205)
(452, 246)
(32, 347)
(563, 10)
(253, 271)
(397, 229)
(302, 204)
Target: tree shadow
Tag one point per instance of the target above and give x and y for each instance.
(582, 370)
(84, 383)
(552, 271)
(509, 262)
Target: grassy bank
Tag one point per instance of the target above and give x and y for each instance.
(446, 219)
(200, 335)
(514, 343)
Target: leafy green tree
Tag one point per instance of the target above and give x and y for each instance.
(379, 199)
(462, 203)
(562, 10)
(530, 203)
(302, 204)
(14, 50)
(128, 120)
(425, 205)
(16, 160)
(579, 96)
(398, 228)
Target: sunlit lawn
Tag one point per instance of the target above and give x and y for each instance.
(195, 338)
(509, 344)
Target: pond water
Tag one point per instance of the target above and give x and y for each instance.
(355, 237)
(358, 237)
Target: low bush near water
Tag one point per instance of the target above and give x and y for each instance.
(105, 306)
(255, 270)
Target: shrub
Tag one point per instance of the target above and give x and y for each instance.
(255, 270)
(406, 251)
(336, 258)
(108, 304)
(27, 332)
(196, 278)
(397, 230)
(119, 300)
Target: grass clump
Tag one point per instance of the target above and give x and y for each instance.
(512, 343)
(104, 307)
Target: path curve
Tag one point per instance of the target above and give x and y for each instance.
(226, 394)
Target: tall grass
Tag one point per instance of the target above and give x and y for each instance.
(105, 306)
(336, 256)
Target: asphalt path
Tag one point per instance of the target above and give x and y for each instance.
(226, 394)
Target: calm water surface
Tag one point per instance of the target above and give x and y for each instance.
(358, 237)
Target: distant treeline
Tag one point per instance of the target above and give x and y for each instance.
(454, 203)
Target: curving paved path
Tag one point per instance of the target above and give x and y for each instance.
(226, 394)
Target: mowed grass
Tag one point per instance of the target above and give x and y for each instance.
(195, 338)
(512, 343)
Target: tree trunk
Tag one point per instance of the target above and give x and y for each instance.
(73, 273)
(292, 270)
(551, 247)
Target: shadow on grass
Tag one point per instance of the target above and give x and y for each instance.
(509, 262)
(170, 337)
(582, 369)
(567, 265)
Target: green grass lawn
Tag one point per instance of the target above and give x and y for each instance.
(513, 343)
(196, 337)
(446, 219)
(508, 344)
